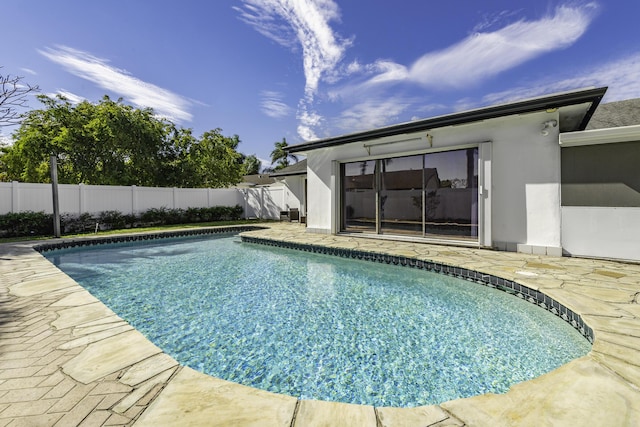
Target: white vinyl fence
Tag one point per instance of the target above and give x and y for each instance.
(263, 202)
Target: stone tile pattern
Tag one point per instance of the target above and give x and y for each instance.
(65, 359)
(47, 324)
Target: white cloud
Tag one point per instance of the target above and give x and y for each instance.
(372, 113)
(134, 90)
(309, 120)
(493, 20)
(72, 97)
(304, 24)
(273, 106)
(621, 76)
(484, 55)
(301, 24)
(29, 71)
(5, 139)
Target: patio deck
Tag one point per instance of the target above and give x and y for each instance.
(66, 359)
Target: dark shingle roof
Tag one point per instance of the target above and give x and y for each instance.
(616, 114)
(299, 168)
(257, 179)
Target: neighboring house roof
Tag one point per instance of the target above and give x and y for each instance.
(575, 110)
(299, 168)
(616, 114)
(256, 180)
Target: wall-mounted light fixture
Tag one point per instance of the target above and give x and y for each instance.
(430, 139)
(547, 125)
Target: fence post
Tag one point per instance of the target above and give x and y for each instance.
(174, 198)
(81, 199)
(15, 197)
(134, 200)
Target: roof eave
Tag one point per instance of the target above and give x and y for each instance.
(593, 95)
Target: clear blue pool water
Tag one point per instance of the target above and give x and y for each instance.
(321, 327)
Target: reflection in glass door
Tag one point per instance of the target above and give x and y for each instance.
(401, 195)
(451, 193)
(359, 196)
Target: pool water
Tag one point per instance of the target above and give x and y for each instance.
(320, 327)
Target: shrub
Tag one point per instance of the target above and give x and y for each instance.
(26, 223)
(111, 220)
(72, 223)
(154, 216)
(41, 224)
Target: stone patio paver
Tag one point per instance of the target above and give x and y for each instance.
(66, 359)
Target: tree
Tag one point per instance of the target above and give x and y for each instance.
(215, 159)
(251, 165)
(110, 143)
(280, 156)
(13, 96)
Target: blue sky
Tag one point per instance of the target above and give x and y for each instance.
(306, 69)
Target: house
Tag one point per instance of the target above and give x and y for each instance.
(492, 177)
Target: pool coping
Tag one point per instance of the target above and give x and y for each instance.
(601, 388)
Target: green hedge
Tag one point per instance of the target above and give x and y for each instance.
(26, 224)
(41, 224)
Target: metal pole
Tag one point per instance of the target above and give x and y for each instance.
(54, 189)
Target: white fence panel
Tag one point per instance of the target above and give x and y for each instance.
(147, 198)
(191, 198)
(225, 197)
(272, 202)
(69, 198)
(100, 198)
(27, 197)
(602, 232)
(265, 203)
(6, 198)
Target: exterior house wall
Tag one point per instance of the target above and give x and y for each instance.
(601, 193)
(320, 186)
(521, 207)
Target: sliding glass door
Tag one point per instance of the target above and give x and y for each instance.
(431, 195)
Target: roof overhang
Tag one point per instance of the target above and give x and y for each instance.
(600, 136)
(575, 108)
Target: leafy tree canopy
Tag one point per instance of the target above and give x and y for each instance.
(251, 165)
(111, 143)
(280, 156)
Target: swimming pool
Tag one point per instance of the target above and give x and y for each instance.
(321, 327)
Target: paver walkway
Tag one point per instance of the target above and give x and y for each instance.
(66, 359)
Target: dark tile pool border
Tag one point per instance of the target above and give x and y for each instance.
(94, 241)
(512, 287)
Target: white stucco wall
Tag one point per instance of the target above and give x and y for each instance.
(522, 202)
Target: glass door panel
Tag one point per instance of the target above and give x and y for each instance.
(451, 194)
(401, 195)
(359, 197)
